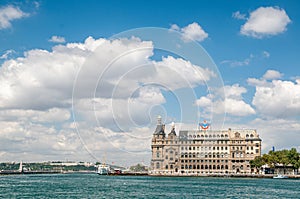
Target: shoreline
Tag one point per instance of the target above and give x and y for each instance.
(2, 173)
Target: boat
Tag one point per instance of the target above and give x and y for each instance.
(103, 169)
(279, 176)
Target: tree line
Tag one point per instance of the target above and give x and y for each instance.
(284, 157)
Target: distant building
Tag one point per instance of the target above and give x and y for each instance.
(202, 152)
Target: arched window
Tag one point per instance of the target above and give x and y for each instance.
(167, 167)
(157, 165)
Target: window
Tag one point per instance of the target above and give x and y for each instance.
(157, 154)
(157, 165)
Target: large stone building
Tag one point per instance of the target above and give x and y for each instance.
(202, 152)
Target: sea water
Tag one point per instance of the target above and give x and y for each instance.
(96, 186)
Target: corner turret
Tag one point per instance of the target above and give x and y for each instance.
(172, 133)
(160, 128)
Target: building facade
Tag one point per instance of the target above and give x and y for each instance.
(203, 152)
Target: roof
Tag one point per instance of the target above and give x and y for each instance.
(159, 129)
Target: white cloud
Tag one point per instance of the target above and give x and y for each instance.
(265, 21)
(237, 107)
(6, 54)
(263, 82)
(235, 63)
(278, 99)
(233, 103)
(238, 15)
(48, 116)
(175, 27)
(281, 133)
(117, 97)
(203, 101)
(175, 73)
(266, 54)
(191, 32)
(272, 74)
(57, 39)
(235, 91)
(8, 14)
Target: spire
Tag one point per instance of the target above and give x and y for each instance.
(173, 129)
(158, 120)
(160, 128)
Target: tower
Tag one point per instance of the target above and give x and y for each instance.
(157, 145)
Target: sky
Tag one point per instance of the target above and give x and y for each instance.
(86, 80)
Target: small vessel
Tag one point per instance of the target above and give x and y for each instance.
(279, 176)
(103, 169)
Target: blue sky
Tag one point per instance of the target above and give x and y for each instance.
(46, 45)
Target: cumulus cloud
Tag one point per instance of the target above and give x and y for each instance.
(203, 101)
(276, 98)
(266, 21)
(8, 14)
(272, 74)
(57, 39)
(280, 99)
(233, 103)
(112, 85)
(191, 32)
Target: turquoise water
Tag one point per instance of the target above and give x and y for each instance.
(95, 186)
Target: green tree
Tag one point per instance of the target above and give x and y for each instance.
(257, 162)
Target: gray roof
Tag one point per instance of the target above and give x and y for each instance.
(172, 132)
(159, 129)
